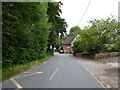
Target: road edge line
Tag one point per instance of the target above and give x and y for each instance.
(92, 75)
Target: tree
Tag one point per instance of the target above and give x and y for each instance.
(58, 24)
(25, 32)
(93, 38)
(74, 30)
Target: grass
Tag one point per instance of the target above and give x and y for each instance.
(17, 69)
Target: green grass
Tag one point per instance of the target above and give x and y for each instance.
(17, 69)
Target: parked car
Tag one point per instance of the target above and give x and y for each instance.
(61, 51)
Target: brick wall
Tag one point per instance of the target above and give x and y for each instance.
(67, 48)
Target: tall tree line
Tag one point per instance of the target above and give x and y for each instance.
(26, 29)
(58, 25)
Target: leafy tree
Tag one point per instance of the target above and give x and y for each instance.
(74, 30)
(93, 38)
(25, 32)
(58, 24)
(58, 43)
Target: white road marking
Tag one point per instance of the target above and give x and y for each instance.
(54, 73)
(92, 75)
(16, 83)
(34, 73)
(45, 62)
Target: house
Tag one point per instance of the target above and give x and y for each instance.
(67, 44)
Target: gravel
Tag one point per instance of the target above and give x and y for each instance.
(106, 73)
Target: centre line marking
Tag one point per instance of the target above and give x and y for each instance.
(54, 73)
(16, 83)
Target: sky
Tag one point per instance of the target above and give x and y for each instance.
(73, 10)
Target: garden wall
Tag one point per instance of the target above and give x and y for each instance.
(100, 55)
(106, 55)
(85, 56)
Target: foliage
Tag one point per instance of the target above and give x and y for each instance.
(58, 24)
(25, 32)
(94, 38)
(58, 43)
(29, 30)
(74, 30)
(11, 71)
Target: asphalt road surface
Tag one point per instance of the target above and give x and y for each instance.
(61, 71)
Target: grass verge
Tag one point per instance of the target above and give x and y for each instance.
(17, 69)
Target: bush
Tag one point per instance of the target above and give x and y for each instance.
(25, 32)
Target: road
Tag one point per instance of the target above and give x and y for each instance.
(61, 71)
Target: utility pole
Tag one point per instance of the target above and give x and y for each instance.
(119, 12)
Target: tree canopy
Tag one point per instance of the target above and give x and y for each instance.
(27, 30)
(58, 24)
(75, 29)
(100, 36)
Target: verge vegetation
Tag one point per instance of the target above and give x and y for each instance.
(28, 32)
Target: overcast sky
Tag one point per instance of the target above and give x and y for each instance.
(73, 10)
